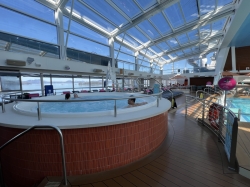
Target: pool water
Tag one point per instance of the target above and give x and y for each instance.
(90, 106)
(242, 104)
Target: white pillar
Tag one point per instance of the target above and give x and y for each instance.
(60, 33)
(42, 84)
(233, 59)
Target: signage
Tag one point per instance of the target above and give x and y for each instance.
(229, 131)
(156, 88)
(227, 83)
(48, 90)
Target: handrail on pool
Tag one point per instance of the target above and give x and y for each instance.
(61, 143)
(78, 100)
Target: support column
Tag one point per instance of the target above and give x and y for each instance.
(112, 52)
(60, 33)
(137, 67)
(42, 84)
(233, 59)
(151, 83)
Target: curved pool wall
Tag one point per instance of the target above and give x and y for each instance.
(92, 144)
(29, 108)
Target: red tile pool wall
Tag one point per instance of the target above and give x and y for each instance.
(88, 150)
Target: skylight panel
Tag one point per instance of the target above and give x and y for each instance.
(173, 43)
(196, 49)
(218, 25)
(193, 35)
(180, 53)
(143, 57)
(213, 43)
(174, 15)
(128, 7)
(203, 46)
(161, 23)
(137, 34)
(150, 53)
(89, 16)
(31, 7)
(172, 55)
(156, 49)
(127, 39)
(164, 46)
(190, 10)
(222, 3)
(84, 31)
(166, 57)
(108, 11)
(183, 39)
(149, 29)
(187, 51)
(145, 4)
(206, 6)
(205, 31)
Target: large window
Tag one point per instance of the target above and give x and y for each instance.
(31, 83)
(23, 25)
(83, 31)
(76, 42)
(9, 83)
(62, 83)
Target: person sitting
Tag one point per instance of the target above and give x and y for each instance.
(67, 96)
(75, 95)
(131, 103)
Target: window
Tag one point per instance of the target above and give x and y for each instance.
(76, 42)
(32, 8)
(19, 24)
(31, 83)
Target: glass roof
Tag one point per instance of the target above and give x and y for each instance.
(152, 27)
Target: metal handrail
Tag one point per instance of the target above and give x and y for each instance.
(232, 131)
(202, 91)
(61, 143)
(77, 100)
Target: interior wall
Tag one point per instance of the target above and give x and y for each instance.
(199, 81)
(242, 59)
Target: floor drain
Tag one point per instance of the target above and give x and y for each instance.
(52, 184)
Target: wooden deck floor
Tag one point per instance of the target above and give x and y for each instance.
(190, 156)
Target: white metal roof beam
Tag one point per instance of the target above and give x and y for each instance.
(146, 15)
(62, 4)
(48, 4)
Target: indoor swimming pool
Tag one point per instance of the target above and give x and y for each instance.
(240, 103)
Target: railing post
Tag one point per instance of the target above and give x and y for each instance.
(3, 105)
(115, 112)
(157, 101)
(239, 113)
(38, 111)
(186, 106)
(203, 110)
